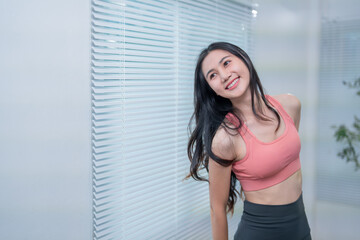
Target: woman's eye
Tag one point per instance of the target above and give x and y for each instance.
(212, 75)
(226, 63)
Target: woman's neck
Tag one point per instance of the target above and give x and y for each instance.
(243, 104)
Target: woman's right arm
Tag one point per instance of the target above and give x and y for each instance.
(219, 184)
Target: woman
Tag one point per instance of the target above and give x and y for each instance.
(242, 133)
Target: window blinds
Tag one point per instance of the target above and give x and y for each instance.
(339, 61)
(143, 61)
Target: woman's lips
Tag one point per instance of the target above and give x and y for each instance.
(233, 84)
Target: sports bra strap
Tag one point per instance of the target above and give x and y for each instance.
(234, 121)
(280, 108)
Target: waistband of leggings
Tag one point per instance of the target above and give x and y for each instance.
(274, 210)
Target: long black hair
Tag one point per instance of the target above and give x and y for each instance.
(209, 114)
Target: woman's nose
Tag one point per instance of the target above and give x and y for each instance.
(224, 75)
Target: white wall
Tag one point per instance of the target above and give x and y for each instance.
(45, 126)
(339, 9)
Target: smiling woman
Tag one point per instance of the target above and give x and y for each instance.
(246, 135)
(229, 69)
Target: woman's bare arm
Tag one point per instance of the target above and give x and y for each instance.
(219, 184)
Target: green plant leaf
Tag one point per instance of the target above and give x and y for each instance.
(349, 138)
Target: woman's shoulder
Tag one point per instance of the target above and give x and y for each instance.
(288, 101)
(291, 105)
(223, 143)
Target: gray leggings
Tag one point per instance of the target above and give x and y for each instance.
(273, 222)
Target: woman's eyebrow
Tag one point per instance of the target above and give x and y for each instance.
(221, 60)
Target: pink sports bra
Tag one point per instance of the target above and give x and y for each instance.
(267, 164)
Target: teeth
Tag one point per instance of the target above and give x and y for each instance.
(233, 83)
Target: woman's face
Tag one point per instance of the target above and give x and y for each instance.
(226, 74)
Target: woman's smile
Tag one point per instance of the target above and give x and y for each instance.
(233, 84)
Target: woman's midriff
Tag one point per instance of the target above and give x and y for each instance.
(285, 192)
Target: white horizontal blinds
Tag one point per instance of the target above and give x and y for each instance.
(339, 61)
(200, 23)
(140, 199)
(234, 24)
(108, 73)
(143, 61)
(149, 192)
